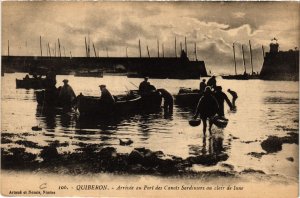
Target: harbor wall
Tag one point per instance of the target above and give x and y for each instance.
(281, 66)
(168, 67)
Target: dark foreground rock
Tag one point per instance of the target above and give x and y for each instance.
(93, 159)
(274, 144)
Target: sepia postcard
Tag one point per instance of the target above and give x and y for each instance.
(150, 99)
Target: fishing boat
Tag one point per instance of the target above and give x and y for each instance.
(187, 97)
(236, 77)
(90, 73)
(244, 76)
(31, 83)
(130, 103)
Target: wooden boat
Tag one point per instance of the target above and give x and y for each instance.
(241, 77)
(187, 97)
(89, 73)
(131, 103)
(236, 77)
(31, 83)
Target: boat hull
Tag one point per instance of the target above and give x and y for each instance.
(124, 105)
(188, 98)
(30, 83)
(236, 77)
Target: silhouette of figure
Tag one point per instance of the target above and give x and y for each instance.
(207, 108)
(168, 100)
(66, 94)
(212, 82)
(51, 79)
(145, 87)
(234, 96)
(106, 96)
(202, 86)
(221, 97)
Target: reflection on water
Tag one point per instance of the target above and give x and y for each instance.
(263, 108)
(210, 146)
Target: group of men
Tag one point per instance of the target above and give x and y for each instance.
(145, 89)
(212, 101)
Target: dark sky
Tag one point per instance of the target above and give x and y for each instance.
(213, 26)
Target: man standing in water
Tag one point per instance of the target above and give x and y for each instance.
(234, 96)
(212, 82)
(66, 94)
(221, 97)
(207, 108)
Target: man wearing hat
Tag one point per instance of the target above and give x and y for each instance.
(66, 94)
(106, 95)
(144, 86)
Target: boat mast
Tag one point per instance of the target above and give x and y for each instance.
(234, 58)
(86, 49)
(55, 49)
(126, 52)
(163, 50)
(244, 58)
(175, 48)
(263, 51)
(94, 50)
(41, 45)
(148, 51)
(59, 48)
(49, 50)
(251, 56)
(140, 50)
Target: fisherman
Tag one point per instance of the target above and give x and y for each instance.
(51, 78)
(66, 94)
(168, 100)
(212, 82)
(221, 97)
(202, 86)
(234, 96)
(145, 87)
(106, 96)
(207, 108)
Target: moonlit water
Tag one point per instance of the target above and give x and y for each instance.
(264, 108)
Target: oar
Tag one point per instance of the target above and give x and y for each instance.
(134, 84)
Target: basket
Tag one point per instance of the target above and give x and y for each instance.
(194, 123)
(220, 122)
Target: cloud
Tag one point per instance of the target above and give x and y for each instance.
(214, 26)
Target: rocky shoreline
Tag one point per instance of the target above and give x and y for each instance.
(96, 158)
